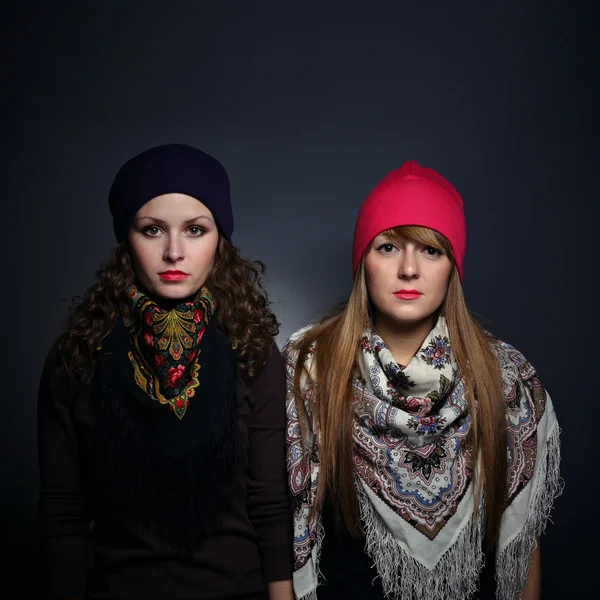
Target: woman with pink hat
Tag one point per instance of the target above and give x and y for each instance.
(419, 444)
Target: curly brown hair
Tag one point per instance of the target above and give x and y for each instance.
(243, 309)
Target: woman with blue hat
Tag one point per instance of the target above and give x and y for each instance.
(161, 407)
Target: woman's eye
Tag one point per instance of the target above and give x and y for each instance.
(195, 231)
(151, 230)
(431, 251)
(386, 248)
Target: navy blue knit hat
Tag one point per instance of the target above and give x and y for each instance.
(169, 169)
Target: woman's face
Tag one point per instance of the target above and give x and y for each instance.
(407, 281)
(173, 241)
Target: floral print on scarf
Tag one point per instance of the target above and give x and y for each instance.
(414, 471)
(165, 344)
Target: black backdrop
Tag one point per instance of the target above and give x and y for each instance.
(308, 105)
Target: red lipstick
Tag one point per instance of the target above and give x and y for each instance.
(408, 294)
(173, 275)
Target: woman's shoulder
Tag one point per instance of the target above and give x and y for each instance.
(55, 377)
(521, 384)
(292, 345)
(53, 359)
(299, 334)
(512, 360)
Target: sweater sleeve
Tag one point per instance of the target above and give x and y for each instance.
(268, 495)
(63, 524)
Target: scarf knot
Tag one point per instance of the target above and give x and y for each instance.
(417, 389)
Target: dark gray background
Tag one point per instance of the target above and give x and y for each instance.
(308, 105)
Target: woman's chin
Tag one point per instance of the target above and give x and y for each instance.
(178, 292)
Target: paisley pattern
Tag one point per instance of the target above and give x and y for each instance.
(412, 450)
(413, 457)
(524, 408)
(165, 345)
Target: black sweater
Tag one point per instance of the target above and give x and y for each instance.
(113, 559)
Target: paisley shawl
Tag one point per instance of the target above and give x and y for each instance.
(414, 471)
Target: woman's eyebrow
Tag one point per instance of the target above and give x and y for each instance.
(186, 222)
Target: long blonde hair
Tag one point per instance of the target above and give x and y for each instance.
(335, 363)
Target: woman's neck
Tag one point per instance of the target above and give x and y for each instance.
(403, 339)
(167, 304)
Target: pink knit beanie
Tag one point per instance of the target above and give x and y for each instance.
(412, 195)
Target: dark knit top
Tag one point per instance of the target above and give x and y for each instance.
(92, 550)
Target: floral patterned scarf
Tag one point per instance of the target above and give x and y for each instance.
(414, 472)
(164, 346)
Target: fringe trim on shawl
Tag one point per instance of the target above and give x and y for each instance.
(319, 535)
(513, 562)
(455, 576)
(312, 595)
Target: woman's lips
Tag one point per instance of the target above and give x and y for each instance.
(173, 275)
(407, 294)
